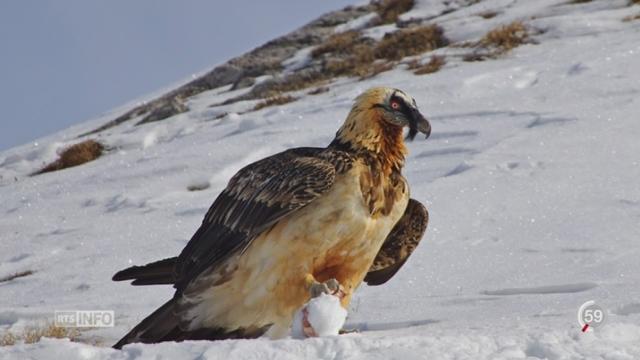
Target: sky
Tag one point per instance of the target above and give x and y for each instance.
(66, 61)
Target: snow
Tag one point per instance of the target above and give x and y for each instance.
(325, 315)
(358, 23)
(530, 177)
(299, 60)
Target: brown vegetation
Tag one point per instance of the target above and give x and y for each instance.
(292, 82)
(390, 10)
(75, 155)
(357, 63)
(408, 42)
(375, 69)
(337, 44)
(432, 66)
(499, 41)
(506, 37)
(34, 334)
(275, 100)
(347, 54)
(351, 55)
(631, 18)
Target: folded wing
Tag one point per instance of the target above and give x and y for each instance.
(400, 243)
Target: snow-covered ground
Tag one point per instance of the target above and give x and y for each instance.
(531, 177)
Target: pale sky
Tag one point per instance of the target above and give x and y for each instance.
(66, 61)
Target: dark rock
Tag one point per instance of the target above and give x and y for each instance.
(244, 82)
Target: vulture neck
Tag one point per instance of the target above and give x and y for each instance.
(367, 132)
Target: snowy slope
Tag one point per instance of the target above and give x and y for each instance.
(530, 176)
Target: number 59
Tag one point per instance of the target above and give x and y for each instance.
(592, 315)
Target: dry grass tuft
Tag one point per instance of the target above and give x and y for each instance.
(337, 44)
(16, 275)
(506, 37)
(34, 334)
(357, 63)
(275, 100)
(499, 41)
(634, 2)
(390, 10)
(8, 339)
(376, 68)
(402, 43)
(345, 53)
(631, 18)
(75, 155)
(292, 82)
(274, 88)
(435, 64)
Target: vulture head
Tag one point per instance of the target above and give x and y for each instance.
(377, 120)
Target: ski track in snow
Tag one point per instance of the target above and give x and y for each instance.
(530, 176)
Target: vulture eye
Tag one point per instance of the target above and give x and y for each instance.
(395, 105)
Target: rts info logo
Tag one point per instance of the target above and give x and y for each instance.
(84, 318)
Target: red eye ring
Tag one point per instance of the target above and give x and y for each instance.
(395, 105)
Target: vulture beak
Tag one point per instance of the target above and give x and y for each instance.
(417, 122)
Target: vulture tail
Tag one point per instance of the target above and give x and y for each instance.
(154, 328)
(155, 273)
(162, 325)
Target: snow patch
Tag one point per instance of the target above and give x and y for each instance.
(358, 23)
(325, 315)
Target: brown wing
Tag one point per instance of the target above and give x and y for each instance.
(400, 243)
(255, 198)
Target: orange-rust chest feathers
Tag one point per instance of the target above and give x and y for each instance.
(379, 147)
(381, 191)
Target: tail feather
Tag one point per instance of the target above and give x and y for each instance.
(155, 273)
(162, 325)
(153, 328)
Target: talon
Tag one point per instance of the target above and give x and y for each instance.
(318, 288)
(335, 288)
(329, 287)
(333, 285)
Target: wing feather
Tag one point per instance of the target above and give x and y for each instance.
(256, 197)
(400, 243)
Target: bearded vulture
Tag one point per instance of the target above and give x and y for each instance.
(291, 226)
